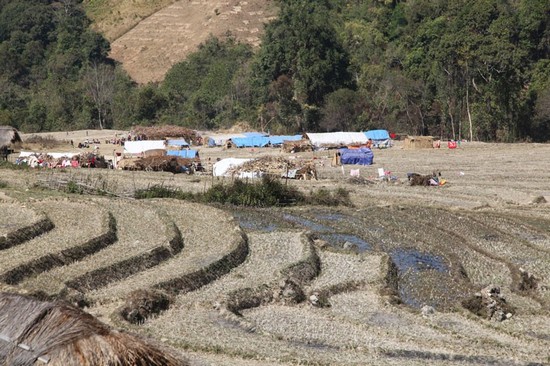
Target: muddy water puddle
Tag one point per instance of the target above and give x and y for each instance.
(338, 241)
(416, 268)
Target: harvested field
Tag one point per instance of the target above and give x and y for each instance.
(141, 233)
(382, 282)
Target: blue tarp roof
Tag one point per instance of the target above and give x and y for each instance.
(178, 142)
(190, 154)
(377, 134)
(256, 141)
(361, 156)
(278, 140)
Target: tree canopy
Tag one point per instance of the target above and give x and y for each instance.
(474, 69)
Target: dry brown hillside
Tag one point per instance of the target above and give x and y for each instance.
(148, 46)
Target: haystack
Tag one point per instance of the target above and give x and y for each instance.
(57, 334)
(418, 142)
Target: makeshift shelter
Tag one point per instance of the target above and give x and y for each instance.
(360, 156)
(33, 332)
(252, 141)
(222, 139)
(418, 142)
(380, 138)
(188, 154)
(279, 140)
(139, 147)
(336, 139)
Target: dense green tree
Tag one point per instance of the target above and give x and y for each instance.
(305, 47)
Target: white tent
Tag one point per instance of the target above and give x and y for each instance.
(337, 138)
(138, 147)
(222, 167)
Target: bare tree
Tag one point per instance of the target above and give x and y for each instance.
(99, 80)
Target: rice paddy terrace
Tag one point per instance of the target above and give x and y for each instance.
(320, 286)
(456, 275)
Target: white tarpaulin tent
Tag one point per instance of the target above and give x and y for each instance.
(221, 168)
(138, 147)
(337, 138)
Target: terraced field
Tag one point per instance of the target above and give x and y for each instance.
(389, 281)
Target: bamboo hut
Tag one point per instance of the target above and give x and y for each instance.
(418, 142)
(33, 333)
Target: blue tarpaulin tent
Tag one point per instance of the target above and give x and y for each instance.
(253, 141)
(278, 140)
(189, 154)
(377, 135)
(380, 138)
(361, 156)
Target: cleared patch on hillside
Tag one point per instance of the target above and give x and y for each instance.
(156, 43)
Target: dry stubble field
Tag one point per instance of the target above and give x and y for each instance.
(239, 280)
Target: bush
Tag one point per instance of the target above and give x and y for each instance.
(267, 192)
(3, 184)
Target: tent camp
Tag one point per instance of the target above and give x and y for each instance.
(418, 142)
(380, 138)
(138, 147)
(360, 156)
(252, 141)
(336, 139)
(221, 139)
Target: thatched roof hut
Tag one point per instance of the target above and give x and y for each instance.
(9, 136)
(57, 334)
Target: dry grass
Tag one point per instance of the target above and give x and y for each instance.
(139, 229)
(483, 226)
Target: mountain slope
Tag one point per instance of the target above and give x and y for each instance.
(154, 44)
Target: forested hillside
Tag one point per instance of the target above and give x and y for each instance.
(474, 69)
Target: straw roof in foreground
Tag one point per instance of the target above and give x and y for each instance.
(8, 136)
(33, 332)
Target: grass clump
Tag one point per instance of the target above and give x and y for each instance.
(9, 165)
(159, 191)
(325, 197)
(3, 184)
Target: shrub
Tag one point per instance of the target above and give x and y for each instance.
(267, 192)
(3, 184)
